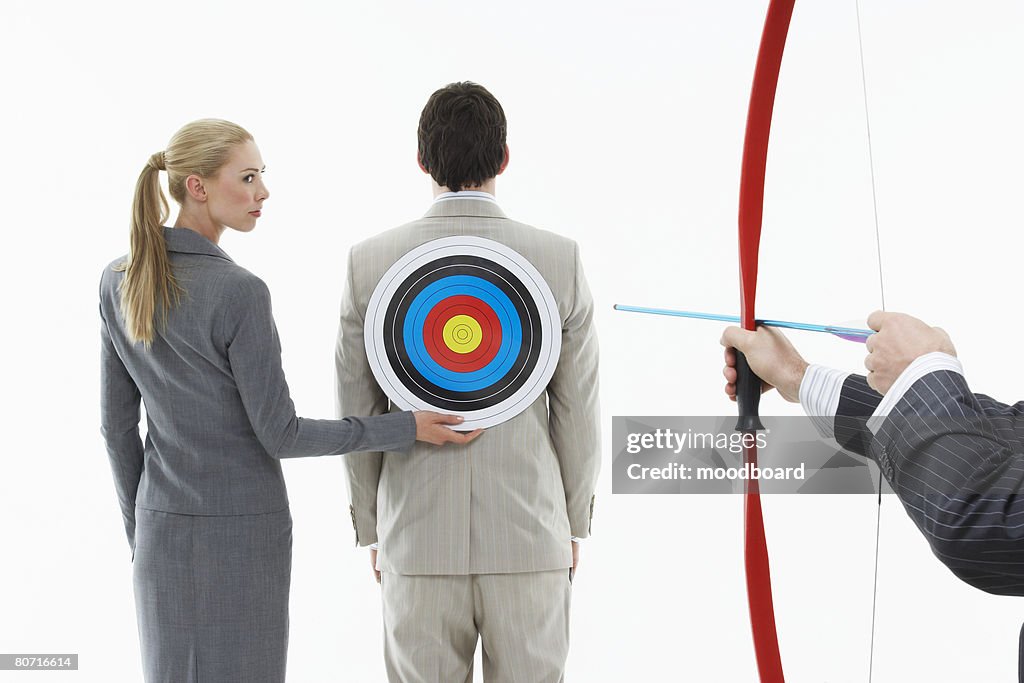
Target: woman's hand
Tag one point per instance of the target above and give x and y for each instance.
(431, 428)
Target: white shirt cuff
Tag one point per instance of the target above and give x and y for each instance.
(922, 365)
(820, 390)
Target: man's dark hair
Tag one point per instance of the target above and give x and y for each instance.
(462, 136)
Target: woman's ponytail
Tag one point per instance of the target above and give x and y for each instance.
(148, 284)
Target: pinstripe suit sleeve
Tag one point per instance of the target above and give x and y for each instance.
(995, 409)
(573, 406)
(254, 352)
(120, 400)
(358, 394)
(857, 402)
(956, 461)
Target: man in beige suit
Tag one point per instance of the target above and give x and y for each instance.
(483, 540)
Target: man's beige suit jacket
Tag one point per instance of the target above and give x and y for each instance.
(510, 500)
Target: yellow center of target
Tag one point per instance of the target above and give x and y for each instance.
(462, 334)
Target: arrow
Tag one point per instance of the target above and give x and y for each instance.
(854, 334)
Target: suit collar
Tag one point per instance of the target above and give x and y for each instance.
(465, 207)
(185, 241)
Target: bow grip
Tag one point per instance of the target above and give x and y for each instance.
(748, 395)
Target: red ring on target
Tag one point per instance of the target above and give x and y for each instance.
(445, 310)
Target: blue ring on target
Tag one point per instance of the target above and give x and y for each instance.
(467, 285)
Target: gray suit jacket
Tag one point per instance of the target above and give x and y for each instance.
(218, 411)
(510, 500)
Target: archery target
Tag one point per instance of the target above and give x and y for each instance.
(463, 325)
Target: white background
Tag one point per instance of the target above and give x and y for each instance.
(626, 127)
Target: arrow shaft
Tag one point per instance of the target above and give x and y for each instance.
(845, 332)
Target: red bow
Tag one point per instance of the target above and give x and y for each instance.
(748, 385)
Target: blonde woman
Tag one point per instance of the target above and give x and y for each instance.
(190, 334)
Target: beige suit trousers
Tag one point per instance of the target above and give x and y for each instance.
(431, 625)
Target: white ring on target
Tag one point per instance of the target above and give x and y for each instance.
(515, 263)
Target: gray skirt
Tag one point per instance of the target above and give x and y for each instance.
(211, 595)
